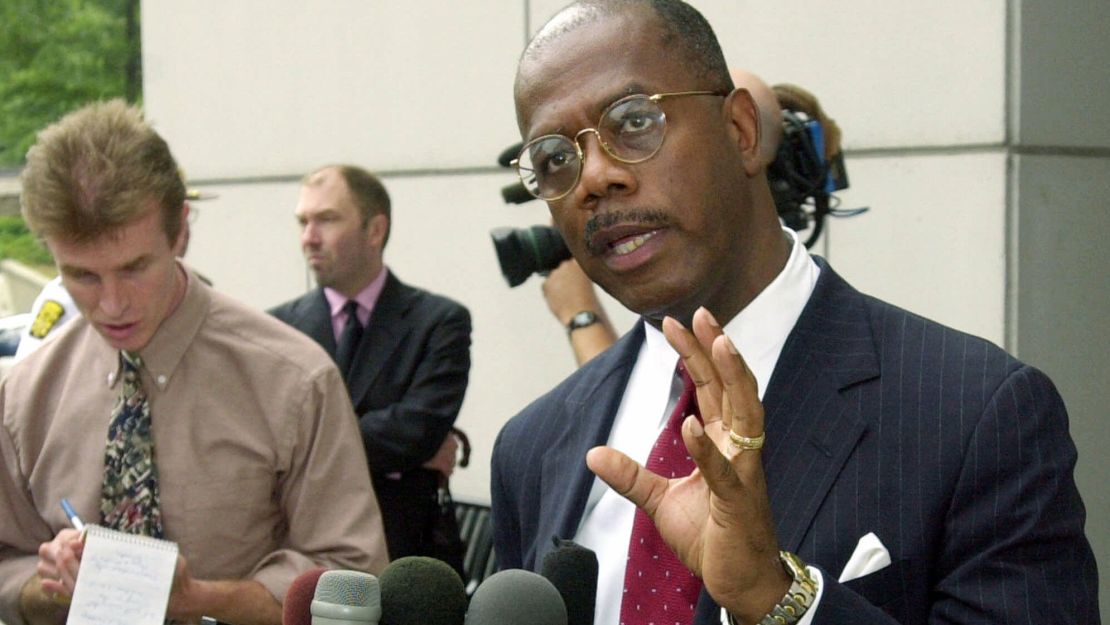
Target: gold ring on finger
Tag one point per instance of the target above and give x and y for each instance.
(747, 443)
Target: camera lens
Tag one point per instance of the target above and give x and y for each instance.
(524, 251)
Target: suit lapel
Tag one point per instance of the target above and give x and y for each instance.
(316, 321)
(589, 409)
(381, 338)
(811, 427)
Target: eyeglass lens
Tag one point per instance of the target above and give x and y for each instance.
(630, 130)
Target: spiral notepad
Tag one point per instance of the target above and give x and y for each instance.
(124, 579)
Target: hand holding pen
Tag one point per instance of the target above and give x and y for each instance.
(60, 558)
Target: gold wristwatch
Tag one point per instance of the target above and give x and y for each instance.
(798, 599)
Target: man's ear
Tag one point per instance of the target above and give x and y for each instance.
(742, 121)
(182, 243)
(378, 227)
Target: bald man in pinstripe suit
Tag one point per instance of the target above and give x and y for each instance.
(848, 428)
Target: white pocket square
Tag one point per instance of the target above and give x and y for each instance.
(870, 556)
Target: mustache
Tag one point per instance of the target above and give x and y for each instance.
(648, 217)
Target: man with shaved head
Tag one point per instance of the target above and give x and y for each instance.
(857, 464)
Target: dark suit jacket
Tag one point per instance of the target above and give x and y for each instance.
(954, 453)
(407, 384)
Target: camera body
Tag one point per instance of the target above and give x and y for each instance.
(801, 177)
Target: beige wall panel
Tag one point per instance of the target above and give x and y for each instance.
(244, 241)
(934, 239)
(893, 73)
(274, 87)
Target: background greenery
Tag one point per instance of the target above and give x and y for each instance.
(56, 56)
(16, 242)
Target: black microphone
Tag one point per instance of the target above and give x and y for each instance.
(572, 569)
(417, 590)
(516, 597)
(346, 598)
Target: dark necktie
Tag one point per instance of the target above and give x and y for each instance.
(349, 338)
(658, 588)
(129, 499)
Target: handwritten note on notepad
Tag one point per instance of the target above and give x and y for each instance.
(124, 579)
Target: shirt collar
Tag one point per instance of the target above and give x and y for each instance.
(167, 347)
(367, 298)
(760, 330)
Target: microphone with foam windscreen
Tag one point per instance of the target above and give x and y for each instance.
(417, 590)
(516, 597)
(572, 569)
(346, 598)
(295, 610)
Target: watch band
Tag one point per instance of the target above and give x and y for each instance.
(799, 597)
(582, 319)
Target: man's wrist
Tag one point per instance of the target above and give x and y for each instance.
(582, 319)
(232, 601)
(187, 601)
(798, 600)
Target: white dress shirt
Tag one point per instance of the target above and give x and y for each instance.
(759, 332)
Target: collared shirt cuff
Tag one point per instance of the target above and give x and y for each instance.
(807, 618)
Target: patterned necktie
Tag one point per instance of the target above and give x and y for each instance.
(129, 500)
(658, 588)
(349, 338)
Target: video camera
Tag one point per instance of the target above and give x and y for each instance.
(802, 184)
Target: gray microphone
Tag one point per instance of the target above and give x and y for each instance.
(516, 597)
(346, 598)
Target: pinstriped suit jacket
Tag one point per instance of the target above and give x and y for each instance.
(954, 453)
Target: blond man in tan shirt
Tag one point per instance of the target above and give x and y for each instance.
(260, 470)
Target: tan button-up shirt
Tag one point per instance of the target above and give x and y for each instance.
(261, 468)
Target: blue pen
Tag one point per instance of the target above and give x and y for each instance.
(78, 524)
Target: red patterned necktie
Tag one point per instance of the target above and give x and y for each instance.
(658, 588)
(129, 501)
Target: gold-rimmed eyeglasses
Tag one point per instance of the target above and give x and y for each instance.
(631, 130)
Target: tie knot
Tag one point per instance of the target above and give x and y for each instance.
(351, 308)
(130, 361)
